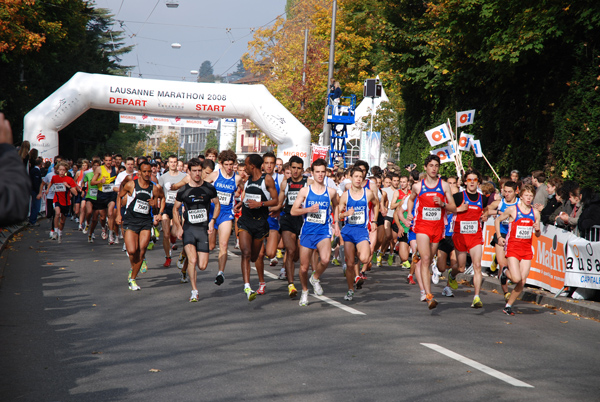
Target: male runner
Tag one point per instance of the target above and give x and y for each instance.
(166, 181)
(226, 183)
(434, 198)
(316, 202)
(390, 188)
(62, 186)
(259, 195)
(196, 196)
(137, 221)
(289, 225)
(519, 252)
(104, 177)
(354, 207)
(274, 212)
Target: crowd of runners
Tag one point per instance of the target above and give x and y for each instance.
(306, 216)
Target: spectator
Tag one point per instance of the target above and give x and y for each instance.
(14, 193)
(33, 155)
(541, 193)
(515, 176)
(24, 153)
(554, 200)
(37, 186)
(489, 191)
(590, 216)
(565, 190)
(569, 221)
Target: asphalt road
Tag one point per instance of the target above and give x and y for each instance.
(70, 330)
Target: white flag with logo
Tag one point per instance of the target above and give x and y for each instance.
(465, 141)
(446, 154)
(438, 135)
(465, 118)
(476, 144)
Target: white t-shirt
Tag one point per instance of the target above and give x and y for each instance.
(48, 179)
(121, 177)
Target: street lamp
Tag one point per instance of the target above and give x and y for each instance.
(176, 45)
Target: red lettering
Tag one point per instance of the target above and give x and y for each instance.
(125, 101)
(111, 100)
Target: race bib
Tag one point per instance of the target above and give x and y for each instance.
(224, 198)
(197, 216)
(171, 197)
(358, 218)
(319, 217)
(107, 188)
(524, 232)
(292, 197)
(253, 197)
(59, 187)
(432, 214)
(93, 192)
(469, 227)
(141, 207)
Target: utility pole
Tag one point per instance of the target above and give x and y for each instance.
(304, 66)
(326, 128)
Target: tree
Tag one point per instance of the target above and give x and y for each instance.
(170, 145)
(206, 72)
(126, 140)
(240, 70)
(212, 140)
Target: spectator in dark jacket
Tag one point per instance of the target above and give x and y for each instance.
(14, 193)
(554, 200)
(35, 176)
(590, 216)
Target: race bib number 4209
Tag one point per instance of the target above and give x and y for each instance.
(432, 214)
(524, 232)
(319, 217)
(197, 215)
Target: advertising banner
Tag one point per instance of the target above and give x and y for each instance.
(319, 152)
(583, 264)
(135, 118)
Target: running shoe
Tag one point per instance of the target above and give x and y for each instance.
(506, 296)
(358, 282)
(416, 258)
(144, 267)
(51, 235)
(121, 235)
(237, 245)
(76, 220)
(282, 275)
(406, 264)
(156, 232)
(174, 247)
(116, 238)
(80, 228)
(150, 245)
(124, 247)
(435, 274)
(111, 239)
(220, 279)
(423, 297)
(431, 302)
(194, 296)
(54, 235)
(87, 227)
(344, 267)
(452, 281)
(379, 259)
(476, 302)
(251, 294)
(279, 253)
(292, 292)
(133, 285)
(508, 311)
(59, 238)
(183, 277)
(180, 260)
(349, 295)
(261, 288)
(494, 265)
(391, 260)
(447, 291)
(72, 217)
(303, 299)
(90, 239)
(273, 262)
(104, 233)
(469, 271)
(130, 272)
(336, 262)
(316, 284)
(503, 277)
(167, 263)
(410, 280)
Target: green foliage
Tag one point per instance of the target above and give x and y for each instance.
(212, 140)
(170, 146)
(125, 140)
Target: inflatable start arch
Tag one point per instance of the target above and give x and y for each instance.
(170, 98)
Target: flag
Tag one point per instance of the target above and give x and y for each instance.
(446, 154)
(465, 141)
(476, 144)
(438, 135)
(465, 118)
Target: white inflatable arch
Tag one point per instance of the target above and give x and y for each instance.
(170, 98)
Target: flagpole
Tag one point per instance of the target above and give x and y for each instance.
(456, 150)
(490, 165)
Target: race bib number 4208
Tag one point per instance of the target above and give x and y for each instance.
(432, 214)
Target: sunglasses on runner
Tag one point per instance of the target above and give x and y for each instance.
(471, 180)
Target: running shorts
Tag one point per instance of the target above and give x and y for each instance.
(446, 245)
(354, 234)
(258, 228)
(311, 241)
(137, 225)
(465, 242)
(290, 223)
(196, 236)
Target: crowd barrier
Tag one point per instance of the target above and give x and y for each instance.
(560, 259)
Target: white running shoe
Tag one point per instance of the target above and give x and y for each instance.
(349, 296)
(116, 239)
(423, 296)
(59, 238)
(447, 292)
(124, 248)
(435, 275)
(87, 227)
(303, 299)
(316, 284)
(282, 275)
(76, 220)
(51, 235)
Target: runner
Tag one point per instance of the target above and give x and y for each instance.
(85, 168)
(62, 186)
(104, 177)
(137, 220)
(91, 206)
(446, 255)
(259, 195)
(166, 181)
(433, 198)
(468, 236)
(354, 207)
(316, 202)
(196, 197)
(497, 208)
(289, 225)
(523, 220)
(390, 188)
(270, 248)
(401, 224)
(226, 183)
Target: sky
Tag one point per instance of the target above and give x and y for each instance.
(217, 31)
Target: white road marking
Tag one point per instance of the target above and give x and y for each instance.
(322, 298)
(481, 367)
